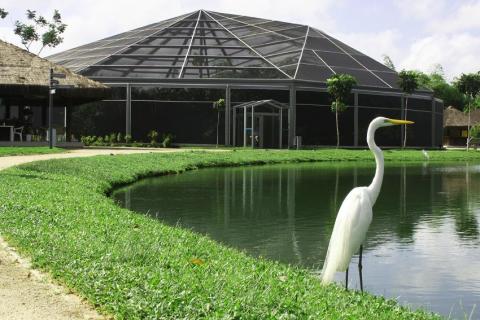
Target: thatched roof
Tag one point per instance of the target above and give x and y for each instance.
(25, 74)
(453, 117)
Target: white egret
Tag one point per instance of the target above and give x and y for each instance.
(355, 214)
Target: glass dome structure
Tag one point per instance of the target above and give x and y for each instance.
(175, 69)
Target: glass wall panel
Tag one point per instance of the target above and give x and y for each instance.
(189, 122)
(96, 118)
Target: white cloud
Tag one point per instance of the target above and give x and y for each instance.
(420, 9)
(466, 17)
(375, 45)
(456, 52)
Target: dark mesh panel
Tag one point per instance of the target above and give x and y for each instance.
(372, 64)
(321, 44)
(380, 101)
(188, 122)
(311, 58)
(363, 77)
(209, 41)
(247, 62)
(285, 59)
(263, 38)
(127, 72)
(143, 61)
(239, 96)
(313, 97)
(438, 130)
(290, 45)
(420, 104)
(176, 94)
(316, 125)
(252, 73)
(388, 136)
(389, 77)
(96, 118)
(339, 60)
(311, 72)
(420, 133)
(439, 107)
(294, 32)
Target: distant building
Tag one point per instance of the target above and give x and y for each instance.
(167, 75)
(24, 84)
(455, 123)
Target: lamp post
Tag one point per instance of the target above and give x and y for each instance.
(53, 84)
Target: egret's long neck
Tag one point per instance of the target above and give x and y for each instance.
(376, 184)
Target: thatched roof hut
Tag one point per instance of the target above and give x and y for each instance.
(25, 76)
(453, 117)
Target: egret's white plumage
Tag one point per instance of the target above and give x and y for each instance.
(355, 214)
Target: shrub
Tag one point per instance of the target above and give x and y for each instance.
(113, 138)
(167, 140)
(119, 137)
(128, 138)
(88, 140)
(153, 135)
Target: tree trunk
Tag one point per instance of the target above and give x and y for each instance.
(336, 121)
(218, 122)
(468, 126)
(405, 126)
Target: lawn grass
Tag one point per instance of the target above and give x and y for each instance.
(20, 151)
(134, 267)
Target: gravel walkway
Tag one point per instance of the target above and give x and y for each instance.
(26, 293)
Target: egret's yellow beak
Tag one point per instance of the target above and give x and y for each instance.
(395, 121)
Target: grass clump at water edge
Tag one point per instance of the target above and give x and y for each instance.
(135, 267)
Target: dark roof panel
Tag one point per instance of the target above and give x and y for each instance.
(207, 45)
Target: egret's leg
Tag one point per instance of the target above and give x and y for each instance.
(346, 280)
(360, 268)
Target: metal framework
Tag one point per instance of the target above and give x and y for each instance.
(251, 105)
(211, 50)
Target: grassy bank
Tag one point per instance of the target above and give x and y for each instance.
(132, 266)
(21, 151)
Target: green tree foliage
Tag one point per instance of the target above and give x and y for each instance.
(469, 85)
(409, 82)
(388, 62)
(340, 87)
(3, 13)
(38, 28)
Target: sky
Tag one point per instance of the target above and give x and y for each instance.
(415, 34)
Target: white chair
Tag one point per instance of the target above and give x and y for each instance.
(18, 131)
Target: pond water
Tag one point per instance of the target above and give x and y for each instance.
(423, 246)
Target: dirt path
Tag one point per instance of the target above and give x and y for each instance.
(26, 293)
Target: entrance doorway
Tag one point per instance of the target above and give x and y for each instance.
(259, 124)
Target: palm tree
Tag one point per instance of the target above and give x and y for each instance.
(408, 82)
(219, 105)
(340, 87)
